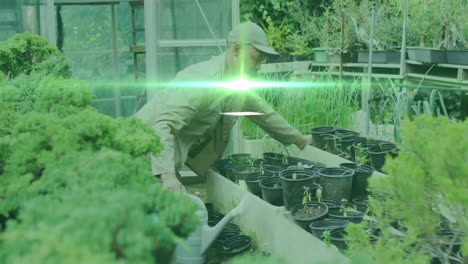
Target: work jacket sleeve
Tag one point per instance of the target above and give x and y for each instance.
(270, 121)
(167, 117)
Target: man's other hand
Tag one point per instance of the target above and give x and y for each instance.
(303, 141)
(170, 182)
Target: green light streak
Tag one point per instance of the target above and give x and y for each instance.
(235, 85)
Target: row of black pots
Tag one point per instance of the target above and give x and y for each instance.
(348, 144)
(338, 183)
(230, 242)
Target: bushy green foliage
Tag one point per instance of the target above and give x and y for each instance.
(427, 184)
(75, 186)
(39, 138)
(102, 204)
(26, 53)
(36, 92)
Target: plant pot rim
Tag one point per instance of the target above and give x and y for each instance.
(305, 175)
(240, 238)
(309, 204)
(318, 225)
(321, 130)
(354, 215)
(358, 168)
(336, 230)
(345, 172)
(268, 180)
(384, 149)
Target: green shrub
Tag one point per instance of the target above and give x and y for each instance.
(425, 192)
(27, 53)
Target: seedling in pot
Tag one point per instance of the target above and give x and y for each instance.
(326, 237)
(343, 207)
(361, 155)
(307, 197)
(294, 176)
(277, 185)
(318, 193)
(344, 155)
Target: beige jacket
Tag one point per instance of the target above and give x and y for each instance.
(191, 126)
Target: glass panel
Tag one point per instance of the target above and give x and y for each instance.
(182, 19)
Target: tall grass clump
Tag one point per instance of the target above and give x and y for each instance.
(325, 103)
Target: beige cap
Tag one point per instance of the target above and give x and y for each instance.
(251, 33)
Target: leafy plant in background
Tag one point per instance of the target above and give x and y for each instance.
(438, 24)
(26, 53)
(423, 192)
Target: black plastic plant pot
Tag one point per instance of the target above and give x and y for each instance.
(230, 168)
(355, 217)
(337, 237)
(294, 184)
(272, 191)
(343, 133)
(317, 228)
(236, 245)
(317, 133)
(361, 203)
(306, 164)
(378, 152)
(240, 157)
(359, 151)
(303, 215)
(232, 227)
(272, 169)
(214, 218)
(331, 143)
(220, 166)
(332, 205)
(336, 183)
(252, 181)
(241, 172)
(225, 235)
(275, 159)
(209, 207)
(345, 146)
(360, 179)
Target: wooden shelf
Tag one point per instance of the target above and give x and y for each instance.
(438, 79)
(456, 66)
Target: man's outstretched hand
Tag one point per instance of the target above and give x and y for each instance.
(303, 141)
(170, 182)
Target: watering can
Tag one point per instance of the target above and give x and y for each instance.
(193, 249)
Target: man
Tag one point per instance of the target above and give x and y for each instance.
(191, 122)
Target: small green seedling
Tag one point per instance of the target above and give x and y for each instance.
(318, 193)
(294, 176)
(307, 196)
(326, 237)
(361, 155)
(343, 207)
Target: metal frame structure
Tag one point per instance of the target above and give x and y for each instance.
(152, 41)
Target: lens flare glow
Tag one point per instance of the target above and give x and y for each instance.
(242, 113)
